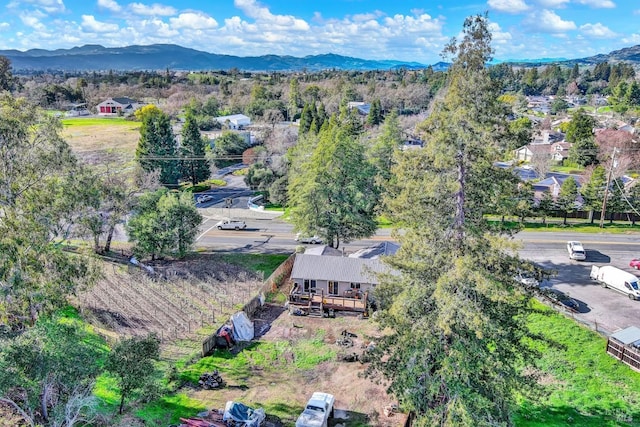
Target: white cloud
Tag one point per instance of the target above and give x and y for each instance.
(153, 10)
(605, 4)
(32, 19)
(262, 15)
(508, 6)
(193, 20)
(5, 26)
(597, 31)
(547, 21)
(553, 4)
(631, 39)
(89, 23)
(111, 5)
(49, 6)
(497, 35)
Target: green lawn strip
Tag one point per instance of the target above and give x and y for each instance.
(106, 121)
(587, 386)
(573, 225)
(265, 263)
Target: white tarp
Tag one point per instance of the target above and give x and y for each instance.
(242, 327)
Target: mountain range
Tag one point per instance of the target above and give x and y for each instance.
(174, 57)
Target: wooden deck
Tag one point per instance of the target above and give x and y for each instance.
(328, 302)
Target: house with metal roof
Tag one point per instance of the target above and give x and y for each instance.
(234, 121)
(333, 275)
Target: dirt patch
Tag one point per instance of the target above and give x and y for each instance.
(359, 401)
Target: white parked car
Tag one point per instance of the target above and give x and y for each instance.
(576, 251)
(231, 224)
(527, 279)
(204, 198)
(308, 239)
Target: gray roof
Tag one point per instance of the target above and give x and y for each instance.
(342, 269)
(323, 250)
(382, 248)
(124, 100)
(628, 335)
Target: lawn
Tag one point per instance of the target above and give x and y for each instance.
(584, 386)
(95, 135)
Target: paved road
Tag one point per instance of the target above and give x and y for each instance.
(609, 309)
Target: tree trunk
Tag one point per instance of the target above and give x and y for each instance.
(107, 243)
(564, 221)
(121, 404)
(591, 216)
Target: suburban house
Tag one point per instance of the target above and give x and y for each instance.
(552, 183)
(118, 107)
(335, 275)
(234, 121)
(547, 144)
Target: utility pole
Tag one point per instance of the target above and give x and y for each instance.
(606, 188)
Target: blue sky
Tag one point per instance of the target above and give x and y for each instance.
(407, 30)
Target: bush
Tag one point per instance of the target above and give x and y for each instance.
(196, 188)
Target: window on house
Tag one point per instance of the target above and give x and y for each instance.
(333, 288)
(309, 285)
(355, 285)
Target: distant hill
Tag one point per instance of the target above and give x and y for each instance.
(629, 55)
(174, 57)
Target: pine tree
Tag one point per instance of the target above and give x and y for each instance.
(332, 192)
(194, 166)
(455, 353)
(157, 148)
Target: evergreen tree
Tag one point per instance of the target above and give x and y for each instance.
(332, 192)
(593, 191)
(566, 201)
(455, 353)
(584, 150)
(375, 117)
(295, 99)
(194, 166)
(381, 153)
(157, 148)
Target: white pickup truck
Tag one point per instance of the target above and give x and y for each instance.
(317, 412)
(231, 224)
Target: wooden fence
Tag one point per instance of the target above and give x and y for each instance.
(275, 280)
(627, 354)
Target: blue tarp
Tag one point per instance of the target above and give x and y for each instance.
(238, 412)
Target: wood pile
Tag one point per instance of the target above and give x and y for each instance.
(210, 380)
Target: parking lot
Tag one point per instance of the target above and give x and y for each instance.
(606, 308)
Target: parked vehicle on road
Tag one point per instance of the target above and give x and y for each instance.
(308, 239)
(527, 279)
(576, 251)
(614, 278)
(317, 412)
(231, 224)
(204, 198)
(635, 263)
(557, 297)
